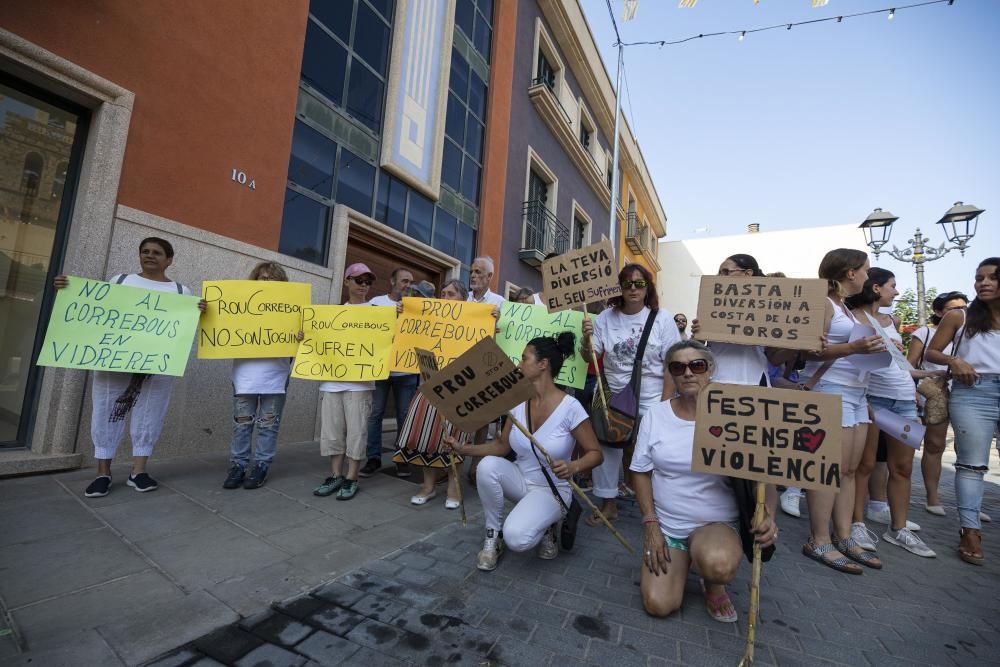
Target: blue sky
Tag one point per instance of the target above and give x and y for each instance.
(821, 124)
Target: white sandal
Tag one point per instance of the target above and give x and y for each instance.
(450, 504)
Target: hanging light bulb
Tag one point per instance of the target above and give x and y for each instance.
(892, 13)
(743, 35)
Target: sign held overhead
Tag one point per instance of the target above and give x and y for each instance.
(579, 277)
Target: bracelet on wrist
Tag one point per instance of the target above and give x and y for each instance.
(649, 519)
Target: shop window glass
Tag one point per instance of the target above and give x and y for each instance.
(420, 217)
(304, 228)
(391, 206)
(444, 231)
(355, 182)
(312, 160)
(371, 38)
(324, 63)
(451, 166)
(364, 96)
(59, 180)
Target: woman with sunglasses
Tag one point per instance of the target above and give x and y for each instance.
(259, 387)
(975, 397)
(828, 372)
(688, 518)
(936, 434)
(616, 335)
(345, 409)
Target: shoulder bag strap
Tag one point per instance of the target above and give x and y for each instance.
(923, 350)
(541, 464)
(180, 288)
(121, 278)
(636, 381)
(961, 335)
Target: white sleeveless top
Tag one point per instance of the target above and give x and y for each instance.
(925, 335)
(892, 381)
(981, 351)
(842, 372)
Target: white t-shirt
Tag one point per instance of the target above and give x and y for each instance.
(684, 500)
(385, 300)
(925, 335)
(489, 297)
(135, 280)
(555, 435)
(261, 376)
(617, 335)
(739, 364)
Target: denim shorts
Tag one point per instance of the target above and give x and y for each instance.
(905, 409)
(854, 404)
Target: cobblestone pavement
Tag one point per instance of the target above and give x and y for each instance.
(426, 604)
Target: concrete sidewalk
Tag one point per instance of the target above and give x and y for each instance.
(123, 579)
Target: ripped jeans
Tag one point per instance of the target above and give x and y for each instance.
(264, 410)
(975, 418)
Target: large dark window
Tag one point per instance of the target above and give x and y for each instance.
(312, 161)
(546, 73)
(355, 182)
(475, 19)
(324, 63)
(304, 226)
(465, 127)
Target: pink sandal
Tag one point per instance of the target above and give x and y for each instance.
(719, 607)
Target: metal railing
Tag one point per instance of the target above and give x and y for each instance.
(542, 230)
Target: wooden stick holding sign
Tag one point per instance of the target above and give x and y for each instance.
(576, 489)
(758, 564)
(427, 363)
(771, 436)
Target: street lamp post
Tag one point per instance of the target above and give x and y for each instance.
(959, 224)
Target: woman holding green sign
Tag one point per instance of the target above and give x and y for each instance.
(144, 396)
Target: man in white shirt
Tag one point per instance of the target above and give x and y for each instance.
(480, 277)
(402, 385)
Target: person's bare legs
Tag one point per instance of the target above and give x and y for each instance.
(104, 467)
(900, 467)
(716, 553)
(863, 473)
(663, 594)
(852, 446)
(429, 480)
(930, 461)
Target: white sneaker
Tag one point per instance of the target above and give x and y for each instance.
(790, 503)
(906, 539)
(864, 538)
(937, 510)
(492, 548)
(547, 548)
(422, 500)
(885, 516)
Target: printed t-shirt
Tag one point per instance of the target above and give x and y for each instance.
(617, 335)
(684, 500)
(555, 435)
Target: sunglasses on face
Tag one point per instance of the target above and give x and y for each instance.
(678, 368)
(364, 282)
(639, 284)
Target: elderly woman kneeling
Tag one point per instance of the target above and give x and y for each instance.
(689, 518)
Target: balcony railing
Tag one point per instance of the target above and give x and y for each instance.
(633, 232)
(543, 234)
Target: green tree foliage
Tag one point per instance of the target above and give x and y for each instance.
(905, 307)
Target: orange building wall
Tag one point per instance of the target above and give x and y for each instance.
(215, 86)
(497, 130)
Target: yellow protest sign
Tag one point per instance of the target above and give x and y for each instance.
(248, 319)
(345, 343)
(446, 328)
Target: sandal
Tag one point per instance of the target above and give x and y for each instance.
(818, 553)
(719, 607)
(594, 521)
(853, 550)
(970, 549)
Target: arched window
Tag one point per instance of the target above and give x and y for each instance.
(31, 175)
(59, 180)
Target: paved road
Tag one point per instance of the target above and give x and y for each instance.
(426, 604)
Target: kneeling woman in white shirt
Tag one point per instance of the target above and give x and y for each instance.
(558, 422)
(688, 517)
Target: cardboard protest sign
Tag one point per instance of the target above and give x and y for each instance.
(446, 328)
(248, 319)
(477, 387)
(103, 327)
(520, 322)
(345, 343)
(427, 363)
(778, 312)
(780, 436)
(895, 426)
(579, 277)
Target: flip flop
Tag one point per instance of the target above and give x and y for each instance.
(594, 521)
(841, 564)
(719, 607)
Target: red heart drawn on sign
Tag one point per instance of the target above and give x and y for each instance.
(807, 440)
(715, 430)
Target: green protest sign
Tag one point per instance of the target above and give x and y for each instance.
(520, 322)
(103, 327)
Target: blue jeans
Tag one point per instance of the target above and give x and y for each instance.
(403, 388)
(975, 417)
(264, 410)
